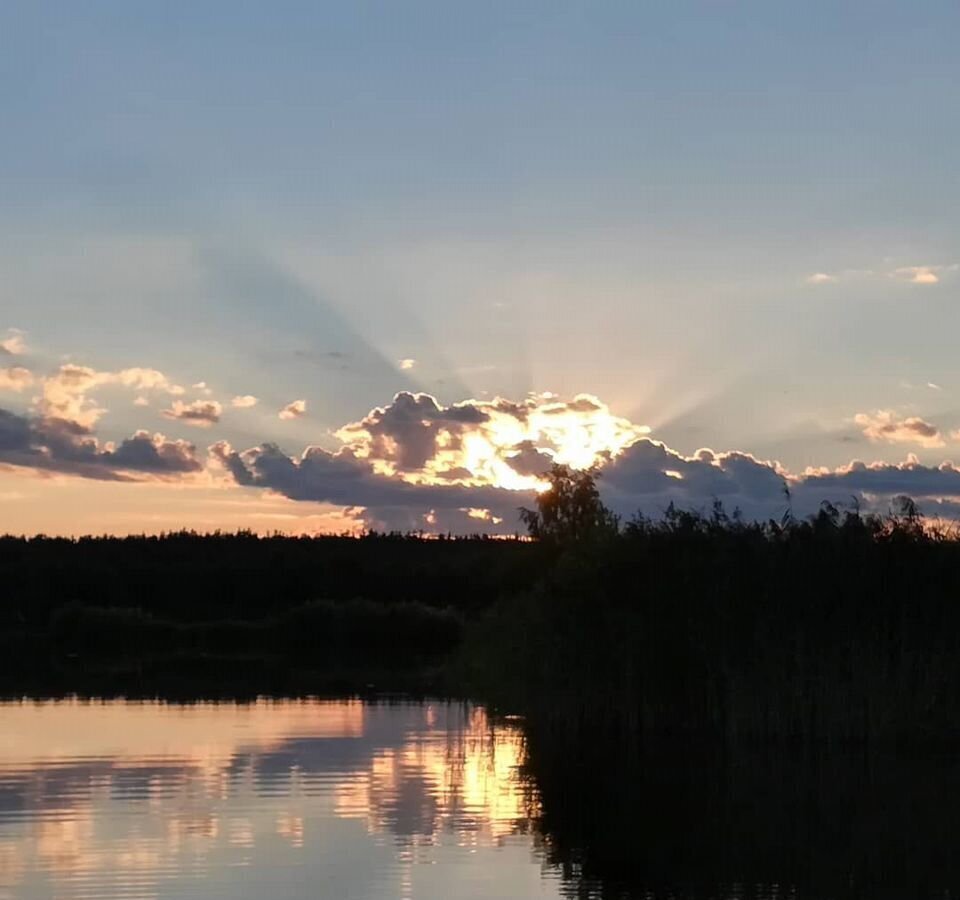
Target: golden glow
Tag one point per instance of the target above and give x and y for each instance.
(478, 794)
(580, 433)
(484, 515)
(204, 735)
(130, 794)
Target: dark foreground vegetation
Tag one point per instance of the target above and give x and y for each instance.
(236, 614)
(683, 822)
(704, 699)
(840, 628)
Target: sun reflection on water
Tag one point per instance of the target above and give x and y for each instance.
(152, 800)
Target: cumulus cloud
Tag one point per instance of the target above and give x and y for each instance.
(416, 463)
(65, 392)
(243, 401)
(297, 409)
(884, 425)
(350, 481)
(15, 378)
(202, 413)
(60, 445)
(497, 442)
(649, 476)
(13, 344)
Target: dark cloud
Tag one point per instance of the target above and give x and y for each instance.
(60, 445)
(415, 461)
(530, 460)
(645, 477)
(886, 479)
(407, 431)
(202, 413)
(648, 476)
(346, 480)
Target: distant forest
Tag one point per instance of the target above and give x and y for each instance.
(841, 627)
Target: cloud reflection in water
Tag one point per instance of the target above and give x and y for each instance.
(338, 799)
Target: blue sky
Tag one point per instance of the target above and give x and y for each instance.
(623, 199)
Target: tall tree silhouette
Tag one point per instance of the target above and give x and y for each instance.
(570, 510)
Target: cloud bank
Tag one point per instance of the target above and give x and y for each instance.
(416, 463)
(61, 446)
(468, 467)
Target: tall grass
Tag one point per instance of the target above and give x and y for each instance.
(838, 630)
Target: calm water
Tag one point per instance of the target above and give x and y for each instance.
(336, 800)
(353, 801)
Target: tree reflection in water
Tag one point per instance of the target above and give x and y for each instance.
(698, 822)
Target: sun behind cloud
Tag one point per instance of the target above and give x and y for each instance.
(497, 443)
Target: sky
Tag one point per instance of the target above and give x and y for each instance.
(711, 247)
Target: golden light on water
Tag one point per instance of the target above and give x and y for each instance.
(473, 784)
(121, 797)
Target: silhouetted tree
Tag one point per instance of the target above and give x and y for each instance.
(570, 510)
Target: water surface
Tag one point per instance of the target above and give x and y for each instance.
(332, 799)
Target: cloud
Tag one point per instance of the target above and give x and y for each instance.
(407, 364)
(64, 393)
(922, 274)
(15, 378)
(59, 445)
(347, 480)
(641, 479)
(297, 409)
(13, 344)
(468, 467)
(416, 463)
(499, 442)
(202, 413)
(649, 475)
(882, 480)
(884, 425)
(243, 401)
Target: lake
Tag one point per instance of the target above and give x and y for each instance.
(334, 799)
(352, 800)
